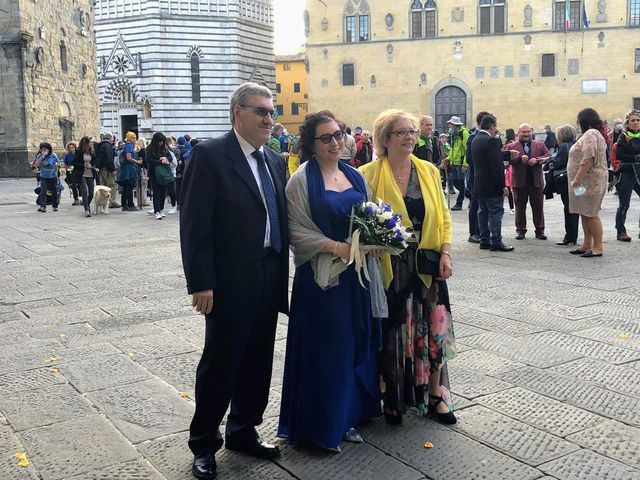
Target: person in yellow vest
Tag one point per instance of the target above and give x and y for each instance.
(418, 338)
(293, 161)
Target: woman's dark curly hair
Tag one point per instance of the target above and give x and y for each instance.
(589, 118)
(308, 131)
(46, 145)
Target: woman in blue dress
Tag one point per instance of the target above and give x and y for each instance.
(331, 377)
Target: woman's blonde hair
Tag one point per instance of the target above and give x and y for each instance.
(383, 126)
(141, 143)
(565, 133)
(130, 136)
(69, 144)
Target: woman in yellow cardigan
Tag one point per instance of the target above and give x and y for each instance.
(418, 336)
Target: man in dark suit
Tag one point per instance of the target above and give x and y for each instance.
(527, 180)
(474, 229)
(489, 185)
(233, 232)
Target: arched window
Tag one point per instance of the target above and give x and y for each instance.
(492, 17)
(357, 21)
(634, 13)
(424, 19)
(63, 56)
(195, 78)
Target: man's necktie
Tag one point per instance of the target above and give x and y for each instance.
(526, 148)
(270, 198)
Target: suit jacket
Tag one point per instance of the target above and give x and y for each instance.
(519, 169)
(222, 227)
(488, 168)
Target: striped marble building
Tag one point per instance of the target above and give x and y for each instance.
(170, 65)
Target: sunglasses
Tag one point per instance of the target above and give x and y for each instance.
(326, 138)
(403, 133)
(261, 111)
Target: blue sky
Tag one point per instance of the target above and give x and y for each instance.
(289, 27)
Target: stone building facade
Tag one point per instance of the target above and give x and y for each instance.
(291, 91)
(539, 61)
(170, 65)
(47, 78)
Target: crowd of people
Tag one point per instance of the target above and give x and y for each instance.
(130, 168)
(356, 348)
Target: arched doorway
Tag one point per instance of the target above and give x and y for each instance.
(449, 101)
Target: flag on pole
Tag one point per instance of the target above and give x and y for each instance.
(567, 15)
(585, 19)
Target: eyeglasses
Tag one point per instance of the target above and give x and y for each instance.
(326, 138)
(403, 133)
(261, 111)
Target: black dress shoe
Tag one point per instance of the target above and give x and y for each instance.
(258, 449)
(485, 246)
(204, 467)
(590, 254)
(474, 239)
(501, 248)
(456, 208)
(577, 251)
(541, 236)
(566, 242)
(520, 236)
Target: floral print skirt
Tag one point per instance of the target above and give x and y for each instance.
(418, 339)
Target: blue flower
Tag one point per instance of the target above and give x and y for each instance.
(391, 223)
(368, 211)
(387, 207)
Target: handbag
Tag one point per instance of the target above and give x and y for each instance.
(428, 262)
(163, 174)
(560, 181)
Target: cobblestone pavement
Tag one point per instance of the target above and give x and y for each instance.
(98, 350)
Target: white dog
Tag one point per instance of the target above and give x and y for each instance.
(101, 198)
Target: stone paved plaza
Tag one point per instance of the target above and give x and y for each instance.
(99, 346)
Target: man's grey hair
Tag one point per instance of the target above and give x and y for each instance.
(241, 96)
(278, 127)
(108, 136)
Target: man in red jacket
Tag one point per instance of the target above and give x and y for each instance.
(527, 180)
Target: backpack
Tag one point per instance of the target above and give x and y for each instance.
(48, 166)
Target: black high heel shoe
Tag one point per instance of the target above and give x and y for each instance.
(393, 418)
(445, 418)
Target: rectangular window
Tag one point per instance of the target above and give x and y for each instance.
(430, 24)
(508, 71)
(286, 67)
(296, 88)
(485, 20)
(479, 72)
(636, 103)
(294, 109)
(548, 65)
(634, 13)
(494, 72)
(637, 63)
(575, 15)
(363, 28)
(350, 29)
(348, 74)
(280, 110)
(524, 69)
(416, 24)
(498, 19)
(278, 88)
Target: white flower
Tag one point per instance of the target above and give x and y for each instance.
(384, 216)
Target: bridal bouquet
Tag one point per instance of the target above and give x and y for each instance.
(375, 226)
